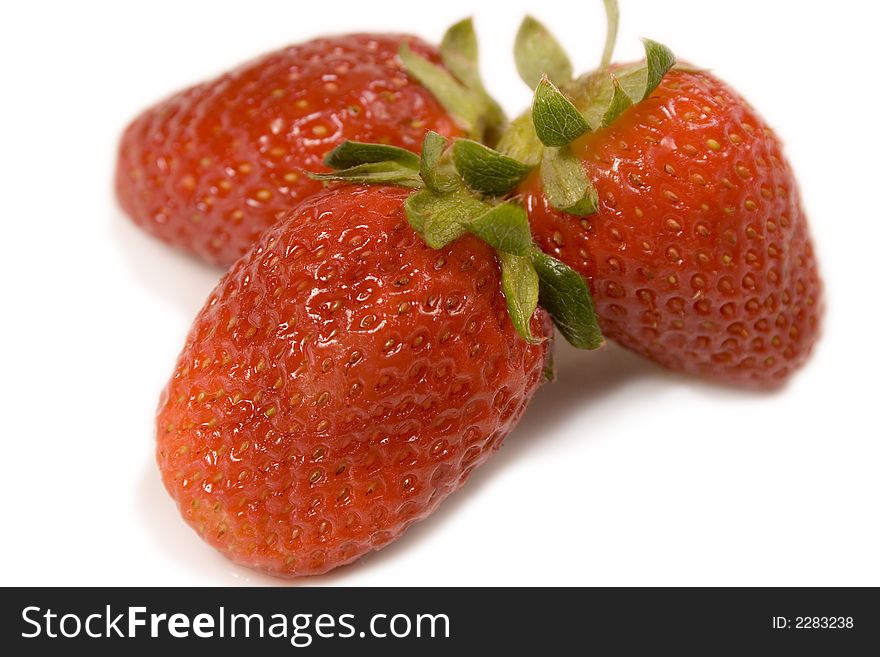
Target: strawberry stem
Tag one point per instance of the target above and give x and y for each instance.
(612, 15)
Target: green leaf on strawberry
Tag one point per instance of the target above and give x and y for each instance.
(565, 183)
(455, 98)
(521, 143)
(635, 82)
(485, 170)
(386, 173)
(520, 285)
(538, 54)
(441, 218)
(460, 53)
(620, 102)
(353, 153)
(564, 294)
(557, 121)
(506, 228)
(457, 84)
(432, 170)
(596, 101)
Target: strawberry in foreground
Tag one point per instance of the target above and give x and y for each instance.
(344, 377)
(210, 168)
(668, 193)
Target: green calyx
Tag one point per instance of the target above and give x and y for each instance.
(469, 188)
(465, 188)
(564, 110)
(372, 163)
(612, 93)
(457, 84)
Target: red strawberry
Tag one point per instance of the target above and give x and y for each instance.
(689, 226)
(210, 168)
(340, 382)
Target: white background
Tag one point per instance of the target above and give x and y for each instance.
(621, 473)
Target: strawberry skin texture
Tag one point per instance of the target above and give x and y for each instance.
(342, 379)
(212, 167)
(699, 256)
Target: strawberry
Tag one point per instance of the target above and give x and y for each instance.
(672, 197)
(344, 376)
(210, 168)
(698, 256)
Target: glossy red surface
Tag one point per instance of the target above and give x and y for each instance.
(210, 168)
(699, 256)
(342, 379)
